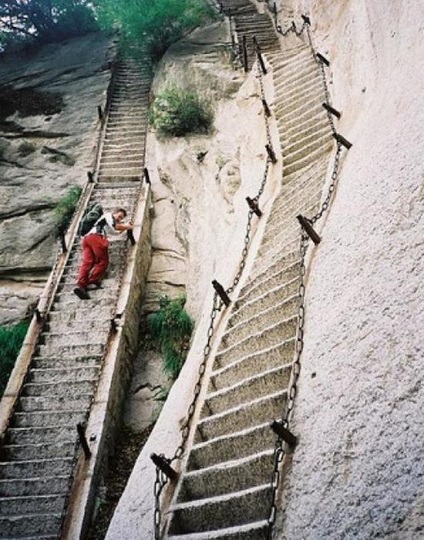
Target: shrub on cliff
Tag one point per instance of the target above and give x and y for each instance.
(153, 24)
(179, 112)
(170, 330)
(11, 339)
(65, 209)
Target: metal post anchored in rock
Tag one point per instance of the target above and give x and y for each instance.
(221, 292)
(283, 433)
(259, 54)
(63, 241)
(100, 113)
(163, 464)
(130, 236)
(271, 153)
(266, 108)
(253, 205)
(307, 227)
(90, 176)
(245, 60)
(340, 139)
(83, 440)
(331, 110)
(147, 176)
(323, 59)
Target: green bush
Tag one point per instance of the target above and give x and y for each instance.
(178, 112)
(11, 339)
(171, 329)
(66, 208)
(153, 24)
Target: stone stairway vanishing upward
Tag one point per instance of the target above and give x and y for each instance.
(38, 451)
(224, 490)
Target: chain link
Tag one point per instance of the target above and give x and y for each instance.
(217, 307)
(279, 451)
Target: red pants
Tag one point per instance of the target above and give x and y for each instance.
(95, 259)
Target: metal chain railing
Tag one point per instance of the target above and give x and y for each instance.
(280, 450)
(161, 478)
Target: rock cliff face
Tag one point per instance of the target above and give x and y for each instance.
(357, 472)
(48, 128)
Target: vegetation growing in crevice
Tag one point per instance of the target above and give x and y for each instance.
(26, 148)
(66, 208)
(153, 24)
(179, 112)
(11, 339)
(171, 328)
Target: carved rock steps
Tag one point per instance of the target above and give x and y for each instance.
(225, 490)
(37, 454)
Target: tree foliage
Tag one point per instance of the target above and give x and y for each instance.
(153, 24)
(44, 20)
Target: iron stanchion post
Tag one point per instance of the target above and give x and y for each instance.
(283, 433)
(63, 241)
(323, 59)
(340, 139)
(83, 440)
(331, 110)
(307, 227)
(259, 55)
(147, 176)
(253, 205)
(221, 292)
(266, 108)
(163, 464)
(271, 153)
(245, 59)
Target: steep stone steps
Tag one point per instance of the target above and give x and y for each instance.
(225, 490)
(31, 505)
(222, 511)
(261, 362)
(237, 445)
(41, 418)
(281, 294)
(33, 487)
(244, 390)
(251, 531)
(227, 477)
(242, 330)
(55, 362)
(38, 450)
(39, 524)
(240, 417)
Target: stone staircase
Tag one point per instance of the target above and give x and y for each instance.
(224, 490)
(38, 451)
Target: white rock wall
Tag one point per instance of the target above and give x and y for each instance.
(358, 470)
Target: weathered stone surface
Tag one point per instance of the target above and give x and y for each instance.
(357, 471)
(48, 131)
